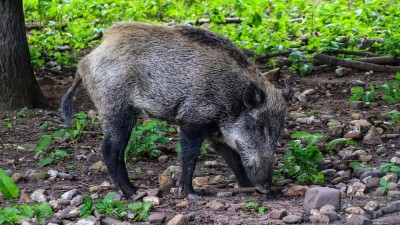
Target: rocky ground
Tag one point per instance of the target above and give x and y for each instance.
(348, 196)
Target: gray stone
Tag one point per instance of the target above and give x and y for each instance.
(331, 214)
(347, 154)
(381, 150)
(69, 194)
(52, 173)
(355, 135)
(372, 205)
(317, 197)
(278, 213)
(290, 219)
(329, 172)
(360, 170)
(77, 200)
(224, 194)
(358, 220)
(179, 220)
(393, 194)
(372, 137)
(395, 159)
(361, 123)
(109, 221)
(393, 219)
(163, 158)
(216, 206)
(392, 186)
(319, 219)
(372, 173)
(356, 189)
(157, 218)
(39, 176)
(98, 165)
(357, 105)
(85, 222)
(295, 115)
(390, 208)
(17, 177)
(39, 195)
(336, 131)
(356, 116)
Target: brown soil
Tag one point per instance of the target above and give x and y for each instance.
(27, 133)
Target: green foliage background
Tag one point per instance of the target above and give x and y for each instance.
(268, 26)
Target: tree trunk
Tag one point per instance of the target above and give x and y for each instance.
(18, 86)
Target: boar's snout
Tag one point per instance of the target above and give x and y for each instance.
(260, 171)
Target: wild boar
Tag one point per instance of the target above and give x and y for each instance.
(190, 77)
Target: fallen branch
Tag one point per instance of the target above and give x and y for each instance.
(227, 20)
(380, 60)
(324, 58)
(265, 58)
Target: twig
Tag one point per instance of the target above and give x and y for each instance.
(265, 58)
(239, 190)
(227, 20)
(324, 58)
(53, 71)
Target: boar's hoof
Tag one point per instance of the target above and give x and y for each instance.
(193, 197)
(262, 190)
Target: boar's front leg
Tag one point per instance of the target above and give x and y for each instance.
(234, 161)
(191, 138)
(118, 125)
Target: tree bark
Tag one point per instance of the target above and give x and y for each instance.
(18, 86)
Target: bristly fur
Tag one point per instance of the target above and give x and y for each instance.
(214, 40)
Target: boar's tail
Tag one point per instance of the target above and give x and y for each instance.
(66, 101)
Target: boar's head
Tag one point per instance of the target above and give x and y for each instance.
(254, 134)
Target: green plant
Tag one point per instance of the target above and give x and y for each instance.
(301, 161)
(56, 156)
(141, 210)
(394, 115)
(15, 213)
(304, 68)
(21, 114)
(348, 141)
(8, 123)
(358, 94)
(110, 207)
(144, 139)
(7, 186)
(255, 206)
(46, 125)
(383, 183)
(391, 167)
(359, 165)
(46, 140)
(115, 209)
(80, 123)
(391, 90)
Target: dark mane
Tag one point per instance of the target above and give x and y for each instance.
(213, 40)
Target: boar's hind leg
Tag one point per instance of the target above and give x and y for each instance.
(191, 138)
(234, 161)
(118, 125)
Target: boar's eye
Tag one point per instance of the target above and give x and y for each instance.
(260, 127)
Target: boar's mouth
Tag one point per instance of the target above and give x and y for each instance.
(259, 173)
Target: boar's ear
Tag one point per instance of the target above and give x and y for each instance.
(253, 96)
(287, 93)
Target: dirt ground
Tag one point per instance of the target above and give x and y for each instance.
(330, 97)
